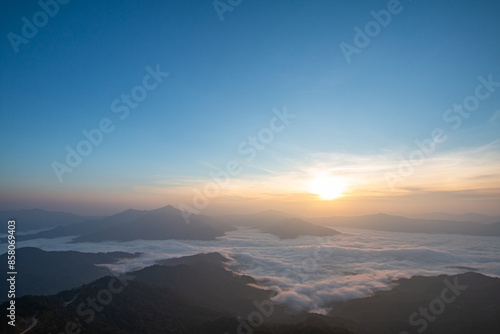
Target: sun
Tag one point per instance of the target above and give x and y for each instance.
(327, 187)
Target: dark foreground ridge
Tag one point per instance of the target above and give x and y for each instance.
(197, 294)
(48, 272)
(464, 303)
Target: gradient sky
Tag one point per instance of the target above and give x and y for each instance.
(356, 121)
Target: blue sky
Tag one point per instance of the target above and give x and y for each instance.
(225, 78)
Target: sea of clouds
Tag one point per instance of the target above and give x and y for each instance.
(310, 272)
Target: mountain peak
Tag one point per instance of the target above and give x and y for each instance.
(166, 209)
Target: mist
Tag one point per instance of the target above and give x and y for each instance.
(308, 273)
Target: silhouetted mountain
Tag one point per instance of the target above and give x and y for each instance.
(205, 281)
(253, 219)
(214, 258)
(460, 304)
(390, 223)
(199, 297)
(281, 224)
(42, 272)
(466, 217)
(160, 224)
(291, 228)
(88, 226)
(37, 219)
(168, 223)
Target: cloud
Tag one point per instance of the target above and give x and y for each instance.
(365, 175)
(308, 273)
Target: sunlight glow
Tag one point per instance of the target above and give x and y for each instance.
(327, 187)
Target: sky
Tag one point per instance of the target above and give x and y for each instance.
(240, 106)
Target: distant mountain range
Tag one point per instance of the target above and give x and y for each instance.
(160, 224)
(466, 217)
(43, 273)
(168, 223)
(291, 228)
(37, 219)
(286, 225)
(390, 223)
(197, 294)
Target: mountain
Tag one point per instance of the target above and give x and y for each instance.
(466, 217)
(252, 219)
(160, 224)
(197, 295)
(291, 228)
(285, 225)
(42, 272)
(281, 224)
(460, 304)
(211, 258)
(390, 223)
(168, 223)
(87, 226)
(204, 280)
(37, 219)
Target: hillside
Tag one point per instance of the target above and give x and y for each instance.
(44, 273)
(37, 219)
(199, 297)
(465, 303)
(160, 224)
(197, 294)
